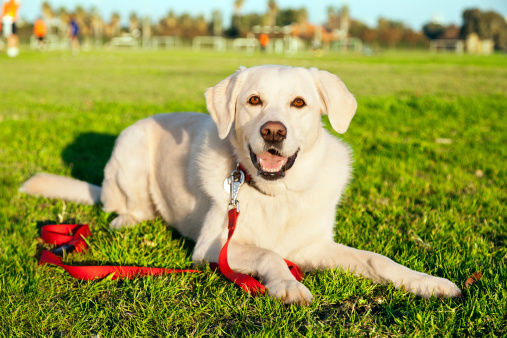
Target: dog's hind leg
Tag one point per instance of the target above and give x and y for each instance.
(126, 188)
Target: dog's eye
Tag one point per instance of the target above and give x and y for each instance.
(298, 102)
(254, 100)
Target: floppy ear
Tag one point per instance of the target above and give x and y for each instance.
(338, 102)
(221, 102)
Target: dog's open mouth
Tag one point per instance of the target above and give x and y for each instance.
(271, 165)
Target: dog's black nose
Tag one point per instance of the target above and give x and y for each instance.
(273, 131)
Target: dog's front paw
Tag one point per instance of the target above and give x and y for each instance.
(290, 292)
(426, 286)
(122, 221)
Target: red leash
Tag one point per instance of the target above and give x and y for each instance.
(70, 237)
(246, 282)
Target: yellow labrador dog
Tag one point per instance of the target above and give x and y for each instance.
(267, 118)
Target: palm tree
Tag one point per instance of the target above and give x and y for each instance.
(217, 23)
(48, 14)
(81, 17)
(236, 21)
(272, 12)
(47, 11)
(133, 22)
(97, 25)
(238, 4)
(115, 24)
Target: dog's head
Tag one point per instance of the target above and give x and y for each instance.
(271, 114)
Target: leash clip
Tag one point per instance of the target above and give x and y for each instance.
(65, 248)
(235, 181)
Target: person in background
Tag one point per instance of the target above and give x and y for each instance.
(40, 30)
(9, 16)
(263, 41)
(73, 34)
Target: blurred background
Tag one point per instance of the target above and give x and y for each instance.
(273, 26)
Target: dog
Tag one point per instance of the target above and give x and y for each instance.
(268, 119)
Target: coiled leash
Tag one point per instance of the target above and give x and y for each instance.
(70, 237)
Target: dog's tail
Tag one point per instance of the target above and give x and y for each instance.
(61, 187)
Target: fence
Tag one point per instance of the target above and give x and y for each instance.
(288, 45)
(442, 45)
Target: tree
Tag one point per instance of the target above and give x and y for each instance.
(234, 30)
(168, 25)
(290, 16)
(389, 32)
(238, 4)
(433, 30)
(272, 12)
(216, 23)
(133, 22)
(113, 28)
(338, 19)
(451, 32)
(413, 39)
(185, 25)
(82, 19)
(358, 29)
(63, 17)
(48, 14)
(47, 11)
(487, 25)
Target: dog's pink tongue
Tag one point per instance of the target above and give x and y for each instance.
(269, 161)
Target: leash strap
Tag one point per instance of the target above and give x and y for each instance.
(70, 237)
(246, 282)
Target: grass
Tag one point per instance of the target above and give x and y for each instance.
(429, 191)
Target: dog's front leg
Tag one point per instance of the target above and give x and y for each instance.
(378, 268)
(248, 259)
(272, 271)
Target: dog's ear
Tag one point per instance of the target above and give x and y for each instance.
(338, 103)
(221, 102)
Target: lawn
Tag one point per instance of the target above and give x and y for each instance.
(429, 191)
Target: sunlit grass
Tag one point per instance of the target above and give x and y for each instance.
(429, 191)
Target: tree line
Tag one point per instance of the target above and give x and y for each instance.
(487, 25)
(386, 34)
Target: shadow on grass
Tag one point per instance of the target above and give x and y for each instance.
(87, 156)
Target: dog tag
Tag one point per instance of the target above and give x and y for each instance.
(227, 186)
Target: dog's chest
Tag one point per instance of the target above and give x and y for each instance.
(271, 222)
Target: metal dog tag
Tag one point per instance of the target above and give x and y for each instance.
(227, 186)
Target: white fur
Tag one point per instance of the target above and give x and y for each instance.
(53, 186)
(174, 166)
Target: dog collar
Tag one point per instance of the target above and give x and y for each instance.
(250, 181)
(248, 178)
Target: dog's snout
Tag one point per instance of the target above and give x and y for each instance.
(273, 131)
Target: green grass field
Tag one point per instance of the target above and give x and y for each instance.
(429, 191)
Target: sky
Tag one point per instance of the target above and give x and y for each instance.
(413, 13)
